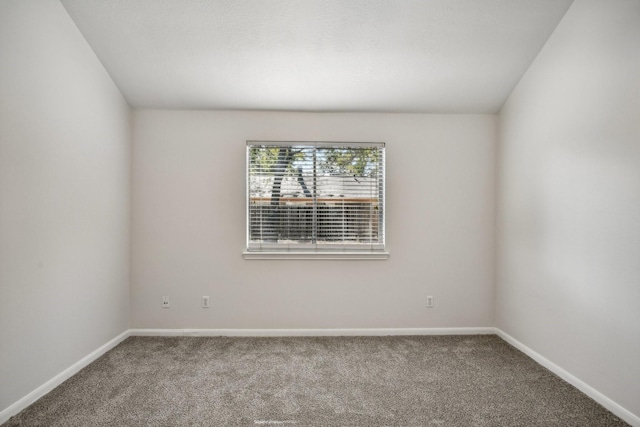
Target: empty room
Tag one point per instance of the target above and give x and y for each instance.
(320, 212)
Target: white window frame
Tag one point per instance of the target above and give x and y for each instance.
(311, 251)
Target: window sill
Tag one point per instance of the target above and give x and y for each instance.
(342, 256)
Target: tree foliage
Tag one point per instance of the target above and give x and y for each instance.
(349, 161)
(329, 161)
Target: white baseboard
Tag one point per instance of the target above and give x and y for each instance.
(594, 394)
(54, 382)
(309, 332)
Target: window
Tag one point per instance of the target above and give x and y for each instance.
(315, 199)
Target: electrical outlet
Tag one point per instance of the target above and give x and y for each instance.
(429, 302)
(205, 302)
(165, 301)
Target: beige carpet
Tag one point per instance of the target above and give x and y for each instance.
(319, 381)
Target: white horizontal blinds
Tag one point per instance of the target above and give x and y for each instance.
(317, 196)
(281, 195)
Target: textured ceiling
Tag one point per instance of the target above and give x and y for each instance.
(451, 56)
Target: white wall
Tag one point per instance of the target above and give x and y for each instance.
(64, 198)
(189, 225)
(569, 201)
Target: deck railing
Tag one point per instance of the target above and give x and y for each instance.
(291, 219)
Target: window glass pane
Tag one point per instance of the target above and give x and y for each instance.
(327, 195)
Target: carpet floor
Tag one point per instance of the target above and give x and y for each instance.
(315, 381)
